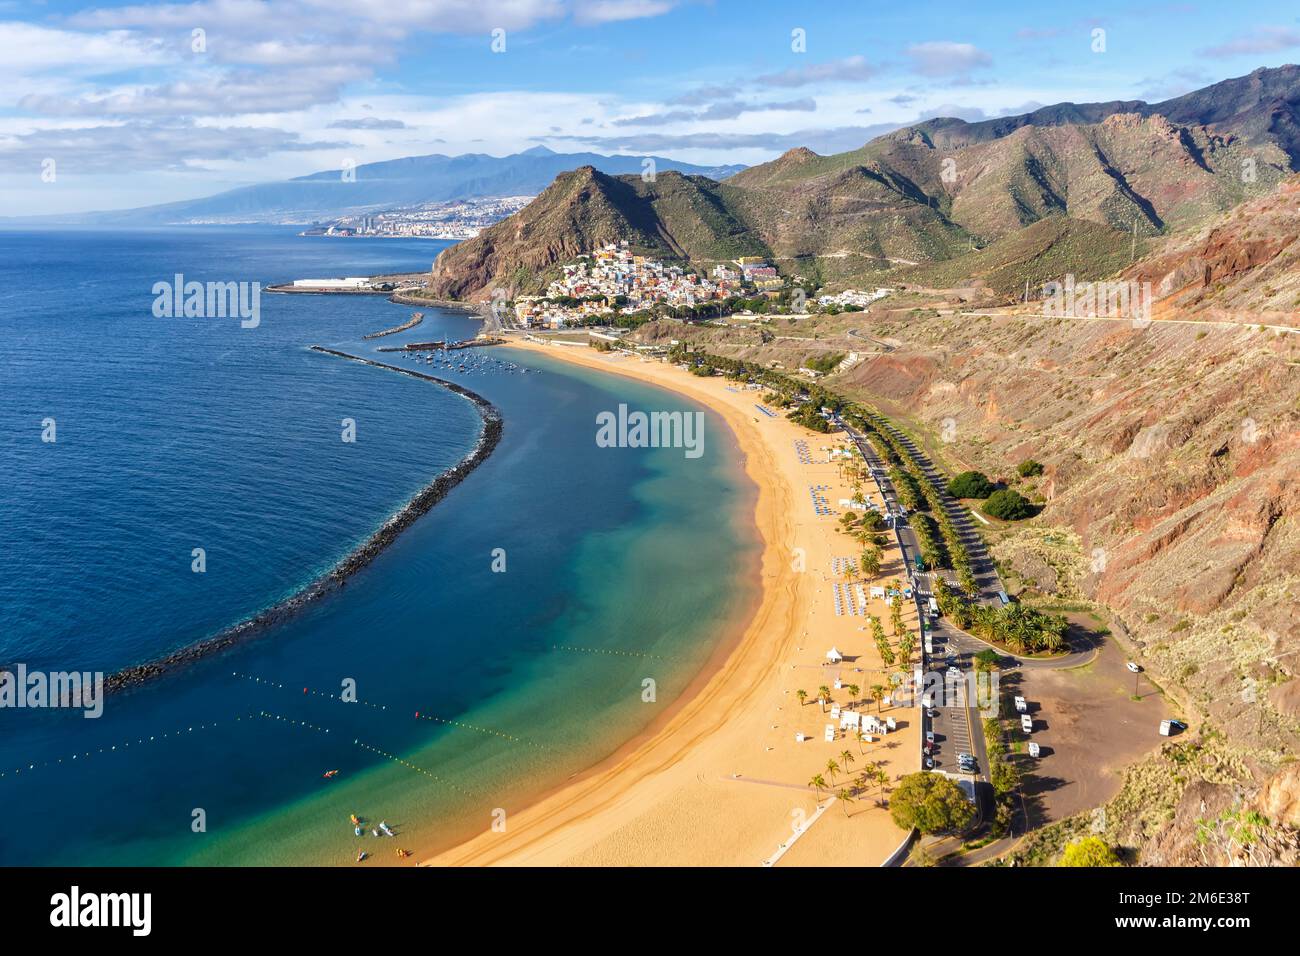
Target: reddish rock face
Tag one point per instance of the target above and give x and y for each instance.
(1249, 263)
(1279, 799)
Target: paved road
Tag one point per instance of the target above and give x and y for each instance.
(986, 573)
(958, 727)
(883, 346)
(955, 725)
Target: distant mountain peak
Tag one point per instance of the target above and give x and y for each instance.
(800, 154)
(397, 184)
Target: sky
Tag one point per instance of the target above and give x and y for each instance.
(107, 106)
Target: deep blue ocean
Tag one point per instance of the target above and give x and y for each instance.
(180, 433)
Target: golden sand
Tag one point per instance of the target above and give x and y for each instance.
(722, 782)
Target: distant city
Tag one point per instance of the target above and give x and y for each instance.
(457, 219)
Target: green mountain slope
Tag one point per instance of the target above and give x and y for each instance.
(938, 192)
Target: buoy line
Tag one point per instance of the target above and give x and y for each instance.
(420, 714)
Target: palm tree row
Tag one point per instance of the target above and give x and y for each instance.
(913, 483)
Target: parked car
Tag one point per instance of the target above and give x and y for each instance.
(1135, 667)
(1033, 749)
(929, 737)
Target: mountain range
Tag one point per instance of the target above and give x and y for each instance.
(391, 184)
(942, 193)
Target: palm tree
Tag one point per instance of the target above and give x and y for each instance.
(847, 757)
(831, 769)
(862, 738)
(817, 783)
(824, 695)
(802, 695)
(845, 798)
(870, 562)
(853, 691)
(869, 774)
(878, 694)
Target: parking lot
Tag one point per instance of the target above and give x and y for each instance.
(955, 726)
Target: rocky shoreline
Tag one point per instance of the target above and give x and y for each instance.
(415, 320)
(403, 297)
(337, 576)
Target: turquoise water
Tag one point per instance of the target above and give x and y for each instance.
(620, 564)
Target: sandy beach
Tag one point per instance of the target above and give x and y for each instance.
(723, 780)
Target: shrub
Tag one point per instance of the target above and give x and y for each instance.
(970, 484)
(1090, 851)
(1008, 505)
(824, 363)
(1029, 468)
(930, 803)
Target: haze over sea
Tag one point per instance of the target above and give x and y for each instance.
(176, 434)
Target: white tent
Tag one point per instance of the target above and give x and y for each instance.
(834, 656)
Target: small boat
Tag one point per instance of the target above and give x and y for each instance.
(384, 827)
(361, 855)
(330, 774)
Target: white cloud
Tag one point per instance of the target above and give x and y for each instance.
(612, 11)
(945, 58)
(147, 146)
(1261, 40)
(220, 94)
(848, 70)
(338, 18)
(29, 48)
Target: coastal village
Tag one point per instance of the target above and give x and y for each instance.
(614, 281)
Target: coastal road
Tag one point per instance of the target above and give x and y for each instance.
(956, 726)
